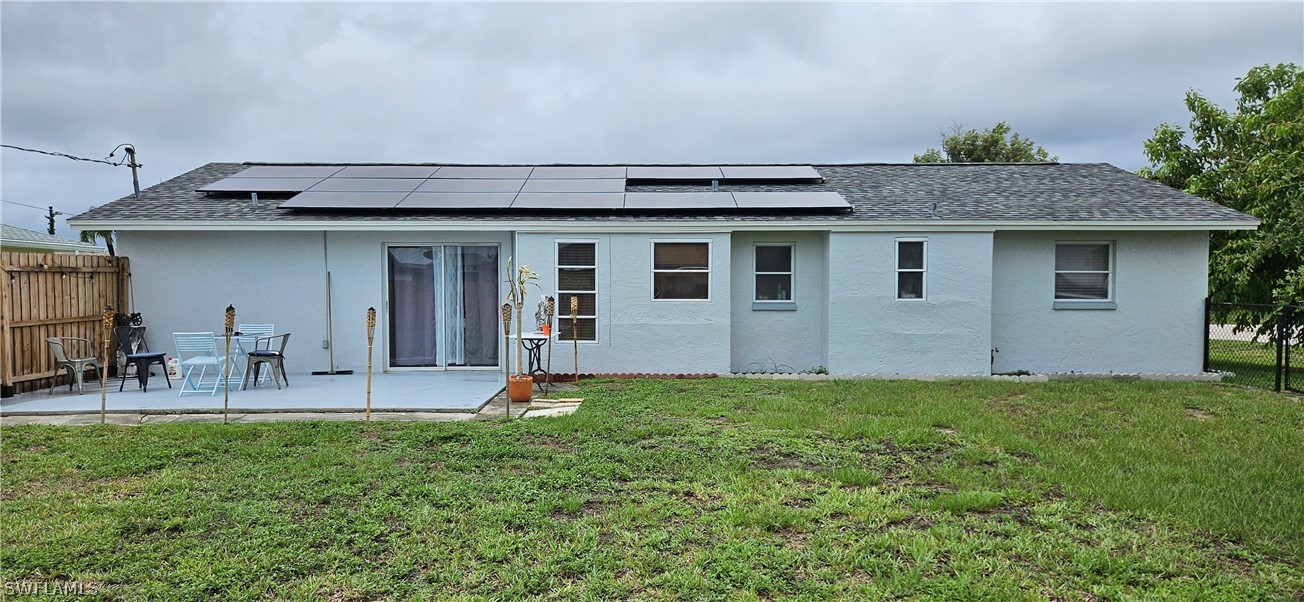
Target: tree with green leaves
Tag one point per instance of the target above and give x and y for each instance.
(1251, 160)
(89, 236)
(994, 145)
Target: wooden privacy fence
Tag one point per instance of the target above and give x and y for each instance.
(54, 295)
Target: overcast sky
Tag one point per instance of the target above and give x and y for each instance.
(193, 83)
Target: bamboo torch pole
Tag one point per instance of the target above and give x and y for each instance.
(575, 329)
(371, 336)
(549, 308)
(507, 351)
(226, 365)
(107, 322)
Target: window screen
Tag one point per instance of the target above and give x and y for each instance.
(681, 270)
(912, 271)
(1083, 271)
(577, 277)
(773, 273)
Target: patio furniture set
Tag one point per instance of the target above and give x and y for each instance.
(198, 353)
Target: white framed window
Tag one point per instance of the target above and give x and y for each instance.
(577, 278)
(911, 269)
(1084, 271)
(681, 270)
(773, 266)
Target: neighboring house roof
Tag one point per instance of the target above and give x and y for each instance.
(1033, 195)
(13, 238)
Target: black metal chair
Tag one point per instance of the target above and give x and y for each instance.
(262, 353)
(131, 342)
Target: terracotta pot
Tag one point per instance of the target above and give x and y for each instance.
(520, 387)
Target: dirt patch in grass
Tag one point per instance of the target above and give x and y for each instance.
(1197, 414)
(781, 460)
(794, 538)
(913, 522)
(710, 501)
(1011, 405)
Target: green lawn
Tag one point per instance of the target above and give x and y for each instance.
(689, 490)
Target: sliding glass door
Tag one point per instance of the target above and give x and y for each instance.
(443, 306)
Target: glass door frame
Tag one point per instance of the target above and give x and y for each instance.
(384, 320)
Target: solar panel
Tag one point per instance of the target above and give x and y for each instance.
(679, 200)
(344, 200)
(386, 171)
(670, 172)
(261, 185)
(574, 185)
(509, 172)
(366, 185)
(470, 185)
(566, 201)
(582, 172)
(288, 171)
(452, 200)
(790, 200)
(770, 172)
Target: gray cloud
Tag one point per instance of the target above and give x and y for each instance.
(193, 83)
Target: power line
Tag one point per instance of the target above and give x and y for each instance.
(23, 205)
(67, 156)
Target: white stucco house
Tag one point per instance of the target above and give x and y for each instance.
(854, 268)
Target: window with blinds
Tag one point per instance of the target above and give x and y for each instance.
(577, 278)
(1084, 271)
(681, 270)
(912, 269)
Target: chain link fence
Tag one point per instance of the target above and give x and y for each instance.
(1256, 345)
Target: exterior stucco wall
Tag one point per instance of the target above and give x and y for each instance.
(357, 263)
(634, 332)
(184, 281)
(1160, 282)
(762, 340)
(871, 332)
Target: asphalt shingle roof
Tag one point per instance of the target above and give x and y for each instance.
(14, 236)
(1069, 192)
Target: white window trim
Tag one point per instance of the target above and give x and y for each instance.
(1109, 277)
(557, 292)
(897, 270)
(791, 273)
(652, 276)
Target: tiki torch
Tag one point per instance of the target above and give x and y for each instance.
(104, 368)
(549, 308)
(226, 367)
(575, 333)
(371, 336)
(507, 351)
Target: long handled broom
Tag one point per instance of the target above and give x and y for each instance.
(330, 335)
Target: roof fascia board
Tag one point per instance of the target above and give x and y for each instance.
(654, 225)
(8, 245)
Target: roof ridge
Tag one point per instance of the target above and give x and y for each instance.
(631, 164)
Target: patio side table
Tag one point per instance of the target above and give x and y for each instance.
(533, 344)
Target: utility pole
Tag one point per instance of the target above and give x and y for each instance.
(50, 216)
(131, 162)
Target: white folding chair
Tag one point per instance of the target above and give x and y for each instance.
(198, 350)
(249, 335)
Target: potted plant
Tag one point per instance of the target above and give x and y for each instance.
(520, 386)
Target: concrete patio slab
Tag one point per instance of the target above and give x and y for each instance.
(452, 391)
(493, 409)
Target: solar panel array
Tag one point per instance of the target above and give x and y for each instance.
(548, 187)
